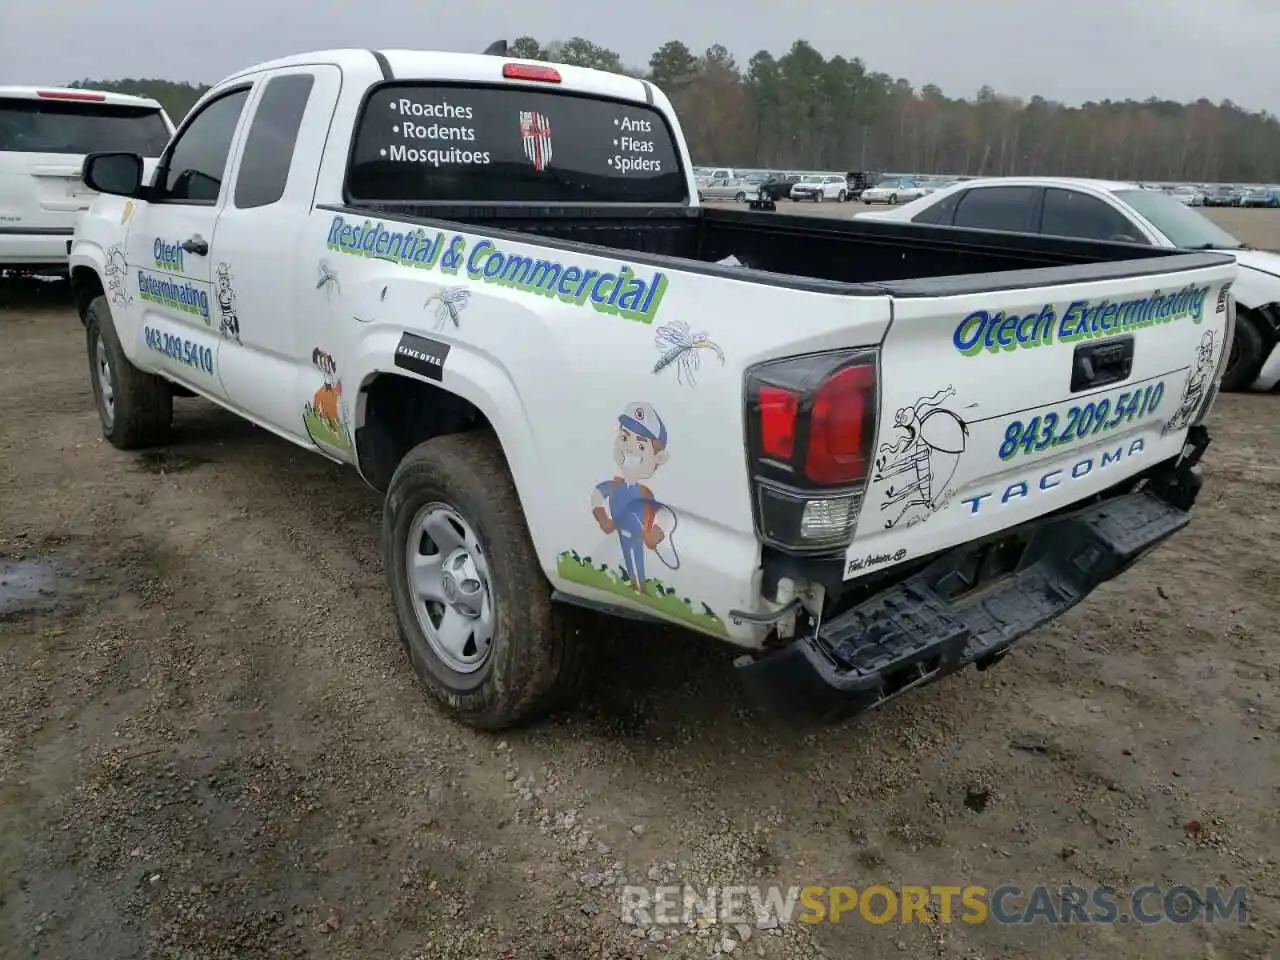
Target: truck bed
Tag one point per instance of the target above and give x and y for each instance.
(802, 252)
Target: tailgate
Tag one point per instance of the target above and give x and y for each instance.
(1000, 407)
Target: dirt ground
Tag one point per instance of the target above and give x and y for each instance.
(212, 745)
(1257, 227)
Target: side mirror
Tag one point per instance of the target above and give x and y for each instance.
(119, 174)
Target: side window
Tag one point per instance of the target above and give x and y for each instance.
(193, 170)
(942, 212)
(995, 208)
(268, 148)
(1068, 213)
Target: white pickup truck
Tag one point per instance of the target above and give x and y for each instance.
(865, 454)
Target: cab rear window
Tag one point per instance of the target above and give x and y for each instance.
(77, 127)
(420, 142)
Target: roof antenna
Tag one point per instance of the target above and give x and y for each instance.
(496, 49)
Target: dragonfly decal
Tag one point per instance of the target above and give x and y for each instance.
(327, 278)
(447, 304)
(682, 349)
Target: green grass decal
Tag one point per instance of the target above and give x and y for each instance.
(657, 595)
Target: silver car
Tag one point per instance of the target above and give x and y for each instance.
(733, 188)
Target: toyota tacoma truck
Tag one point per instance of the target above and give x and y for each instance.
(864, 454)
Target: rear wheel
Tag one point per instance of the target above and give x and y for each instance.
(1247, 349)
(473, 607)
(135, 408)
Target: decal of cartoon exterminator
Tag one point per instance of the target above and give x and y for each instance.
(1197, 383)
(925, 456)
(625, 506)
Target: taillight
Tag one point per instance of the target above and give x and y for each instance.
(838, 426)
(778, 410)
(71, 95)
(530, 71)
(811, 424)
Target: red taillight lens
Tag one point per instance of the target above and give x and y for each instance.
(838, 426)
(529, 71)
(778, 409)
(70, 95)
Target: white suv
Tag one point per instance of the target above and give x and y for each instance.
(44, 136)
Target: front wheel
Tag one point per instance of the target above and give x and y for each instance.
(1246, 359)
(740, 197)
(817, 197)
(842, 197)
(893, 199)
(134, 408)
(473, 607)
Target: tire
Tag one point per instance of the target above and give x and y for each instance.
(893, 199)
(842, 197)
(817, 197)
(1247, 354)
(534, 660)
(740, 197)
(134, 408)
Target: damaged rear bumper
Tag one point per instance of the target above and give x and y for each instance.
(932, 624)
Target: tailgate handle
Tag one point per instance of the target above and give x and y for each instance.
(197, 245)
(1099, 364)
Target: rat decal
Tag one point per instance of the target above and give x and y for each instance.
(1197, 385)
(922, 461)
(116, 271)
(627, 512)
(228, 319)
(682, 349)
(325, 415)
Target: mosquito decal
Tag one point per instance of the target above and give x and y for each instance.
(447, 304)
(327, 279)
(921, 463)
(682, 349)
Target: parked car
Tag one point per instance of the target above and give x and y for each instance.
(1116, 211)
(44, 136)
(891, 192)
(1221, 196)
(589, 389)
(734, 188)
(820, 187)
(859, 180)
(778, 187)
(1260, 197)
(1188, 196)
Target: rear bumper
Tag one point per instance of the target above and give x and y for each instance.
(914, 633)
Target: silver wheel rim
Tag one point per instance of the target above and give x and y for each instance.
(448, 579)
(106, 390)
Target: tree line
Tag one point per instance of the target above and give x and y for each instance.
(804, 111)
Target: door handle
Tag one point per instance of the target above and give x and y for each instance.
(197, 245)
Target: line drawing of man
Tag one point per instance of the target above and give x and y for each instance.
(624, 505)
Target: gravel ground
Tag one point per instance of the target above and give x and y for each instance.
(212, 745)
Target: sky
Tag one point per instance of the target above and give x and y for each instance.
(1067, 50)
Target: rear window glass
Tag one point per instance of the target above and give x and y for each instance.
(68, 126)
(428, 142)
